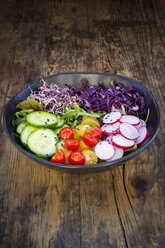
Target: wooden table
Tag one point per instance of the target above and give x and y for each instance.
(122, 207)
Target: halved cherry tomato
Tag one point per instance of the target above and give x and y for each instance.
(80, 130)
(72, 144)
(59, 157)
(90, 157)
(66, 133)
(97, 132)
(76, 158)
(90, 140)
(66, 157)
(91, 121)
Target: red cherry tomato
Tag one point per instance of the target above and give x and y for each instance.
(90, 140)
(59, 157)
(97, 132)
(66, 133)
(76, 158)
(72, 144)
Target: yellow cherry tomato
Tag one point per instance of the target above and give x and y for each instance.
(61, 145)
(91, 121)
(66, 156)
(90, 157)
(80, 130)
(83, 146)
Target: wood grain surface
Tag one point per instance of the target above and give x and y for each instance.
(122, 207)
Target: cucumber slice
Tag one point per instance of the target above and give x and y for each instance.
(61, 145)
(60, 122)
(42, 142)
(41, 119)
(25, 134)
(21, 126)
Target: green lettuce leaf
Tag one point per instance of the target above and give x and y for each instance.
(30, 104)
(20, 116)
(132, 149)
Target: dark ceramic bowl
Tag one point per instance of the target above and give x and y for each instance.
(94, 79)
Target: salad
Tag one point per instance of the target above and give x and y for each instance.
(84, 125)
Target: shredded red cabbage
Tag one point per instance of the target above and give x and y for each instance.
(97, 98)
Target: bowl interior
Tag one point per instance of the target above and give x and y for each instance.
(75, 78)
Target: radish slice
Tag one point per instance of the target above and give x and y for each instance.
(104, 150)
(143, 122)
(118, 154)
(119, 141)
(139, 125)
(111, 129)
(143, 134)
(111, 118)
(128, 131)
(109, 139)
(131, 119)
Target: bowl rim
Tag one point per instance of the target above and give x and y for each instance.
(93, 166)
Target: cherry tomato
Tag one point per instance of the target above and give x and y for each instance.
(72, 144)
(66, 133)
(66, 157)
(97, 132)
(90, 140)
(83, 146)
(91, 121)
(90, 157)
(59, 157)
(80, 130)
(76, 158)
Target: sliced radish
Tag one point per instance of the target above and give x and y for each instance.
(143, 122)
(139, 125)
(104, 150)
(109, 139)
(143, 134)
(128, 131)
(131, 119)
(111, 129)
(118, 154)
(111, 117)
(119, 141)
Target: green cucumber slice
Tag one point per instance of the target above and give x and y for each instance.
(60, 122)
(41, 119)
(25, 134)
(42, 142)
(21, 126)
